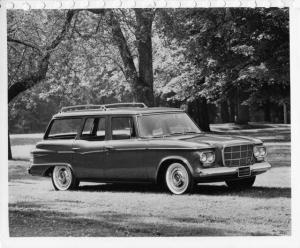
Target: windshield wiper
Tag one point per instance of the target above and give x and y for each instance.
(154, 136)
(182, 133)
(157, 136)
(176, 133)
(190, 132)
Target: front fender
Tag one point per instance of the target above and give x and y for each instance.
(169, 159)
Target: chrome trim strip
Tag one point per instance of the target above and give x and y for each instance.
(96, 151)
(135, 149)
(175, 148)
(220, 171)
(37, 155)
(156, 148)
(51, 164)
(129, 149)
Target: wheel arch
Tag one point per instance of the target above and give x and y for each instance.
(50, 168)
(165, 162)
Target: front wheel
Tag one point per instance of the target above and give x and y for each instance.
(178, 179)
(63, 178)
(244, 183)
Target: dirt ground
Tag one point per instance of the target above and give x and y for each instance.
(36, 209)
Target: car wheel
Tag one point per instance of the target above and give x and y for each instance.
(178, 179)
(63, 178)
(244, 183)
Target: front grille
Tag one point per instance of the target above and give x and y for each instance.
(238, 155)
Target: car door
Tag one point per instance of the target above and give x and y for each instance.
(89, 149)
(125, 151)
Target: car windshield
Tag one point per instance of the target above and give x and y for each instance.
(159, 125)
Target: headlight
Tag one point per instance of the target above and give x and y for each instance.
(262, 151)
(210, 157)
(207, 158)
(259, 152)
(203, 157)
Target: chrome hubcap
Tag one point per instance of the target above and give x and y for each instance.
(178, 178)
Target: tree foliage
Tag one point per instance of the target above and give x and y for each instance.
(198, 57)
(243, 50)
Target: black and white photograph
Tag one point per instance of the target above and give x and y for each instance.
(148, 122)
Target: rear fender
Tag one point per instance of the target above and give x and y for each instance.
(45, 168)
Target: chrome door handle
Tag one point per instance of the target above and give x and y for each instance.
(75, 148)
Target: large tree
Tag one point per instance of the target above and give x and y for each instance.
(242, 53)
(29, 55)
(29, 73)
(140, 76)
(31, 47)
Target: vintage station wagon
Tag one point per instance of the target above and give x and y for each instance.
(130, 142)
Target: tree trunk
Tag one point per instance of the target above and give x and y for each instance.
(141, 81)
(232, 106)
(199, 112)
(130, 72)
(9, 148)
(285, 117)
(224, 111)
(144, 19)
(243, 114)
(267, 111)
(242, 110)
(29, 81)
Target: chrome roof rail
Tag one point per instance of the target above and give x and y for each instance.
(92, 107)
(126, 105)
(82, 108)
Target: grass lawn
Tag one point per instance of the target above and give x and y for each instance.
(36, 209)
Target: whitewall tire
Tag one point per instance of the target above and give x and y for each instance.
(178, 179)
(63, 178)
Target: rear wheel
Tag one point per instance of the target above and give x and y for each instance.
(63, 178)
(178, 179)
(244, 183)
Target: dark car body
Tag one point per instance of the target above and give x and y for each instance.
(142, 159)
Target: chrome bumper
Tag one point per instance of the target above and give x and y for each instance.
(223, 171)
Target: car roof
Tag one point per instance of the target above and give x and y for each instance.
(117, 111)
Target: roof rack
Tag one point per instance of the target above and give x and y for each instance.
(103, 107)
(126, 105)
(82, 108)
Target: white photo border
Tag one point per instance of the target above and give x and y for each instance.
(86, 4)
(286, 241)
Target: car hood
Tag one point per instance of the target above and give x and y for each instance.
(219, 140)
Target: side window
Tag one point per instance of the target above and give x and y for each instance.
(94, 129)
(122, 128)
(64, 128)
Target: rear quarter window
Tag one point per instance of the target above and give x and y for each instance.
(64, 128)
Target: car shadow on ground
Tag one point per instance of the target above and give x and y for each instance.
(47, 223)
(254, 192)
